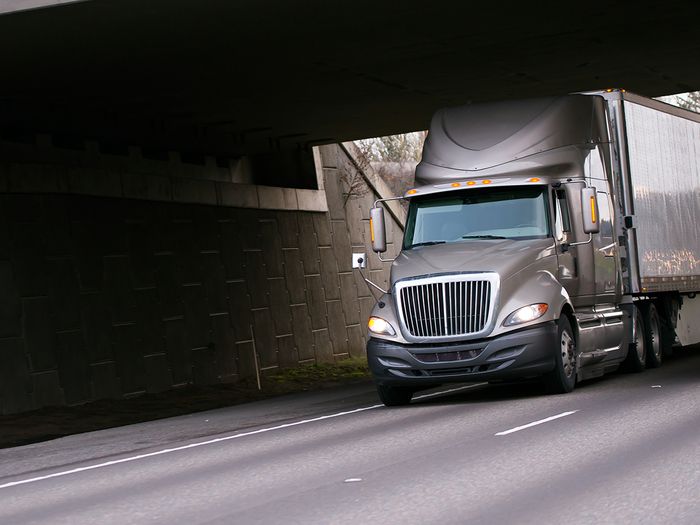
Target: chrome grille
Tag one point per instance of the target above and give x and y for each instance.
(445, 308)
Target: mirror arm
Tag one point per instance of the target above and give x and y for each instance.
(375, 285)
(379, 256)
(570, 244)
(372, 285)
(376, 203)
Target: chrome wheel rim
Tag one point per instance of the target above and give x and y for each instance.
(568, 358)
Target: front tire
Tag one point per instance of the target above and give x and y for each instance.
(562, 379)
(394, 396)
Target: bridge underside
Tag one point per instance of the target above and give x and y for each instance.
(233, 78)
(163, 218)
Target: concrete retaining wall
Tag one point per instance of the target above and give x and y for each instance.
(105, 297)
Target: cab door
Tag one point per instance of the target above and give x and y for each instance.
(607, 281)
(605, 253)
(566, 259)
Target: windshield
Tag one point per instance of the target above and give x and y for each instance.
(489, 213)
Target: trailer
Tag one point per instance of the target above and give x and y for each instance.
(553, 238)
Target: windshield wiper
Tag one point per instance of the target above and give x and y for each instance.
(483, 237)
(427, 243)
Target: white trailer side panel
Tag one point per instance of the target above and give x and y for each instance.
(664, 165)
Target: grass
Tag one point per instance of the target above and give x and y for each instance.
(318, 375)
(53, 422)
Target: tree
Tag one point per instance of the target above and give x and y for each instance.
(394, 158)
(689, 101)
(394, 148)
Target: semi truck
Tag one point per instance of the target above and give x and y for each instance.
(555, 239)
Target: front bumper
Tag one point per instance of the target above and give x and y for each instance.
(525, 353)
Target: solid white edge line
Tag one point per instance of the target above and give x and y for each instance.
(185, 447)
(534, 423)
(216, 440)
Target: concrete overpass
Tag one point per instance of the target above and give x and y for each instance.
(225, 78)
(164, 219)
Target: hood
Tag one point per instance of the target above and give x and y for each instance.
(506, 257)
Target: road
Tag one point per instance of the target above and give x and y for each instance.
(624, 449)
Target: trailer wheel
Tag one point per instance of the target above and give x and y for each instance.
(394, 396)
(562, 379)
(637, 351)
(652, 335)
(667, 309)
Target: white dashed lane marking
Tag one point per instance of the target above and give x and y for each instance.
(535, 423)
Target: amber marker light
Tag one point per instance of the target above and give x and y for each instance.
(593, 215)
(534, 179)
(486, 181)
(455, 184)
(471, 183)
(411, 192)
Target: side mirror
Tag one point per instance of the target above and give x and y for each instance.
(589, 207)
(377, 229)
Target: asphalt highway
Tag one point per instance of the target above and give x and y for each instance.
(623, 449)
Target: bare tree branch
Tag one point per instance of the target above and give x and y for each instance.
(689, 101)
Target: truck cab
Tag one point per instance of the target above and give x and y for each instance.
(515, 258)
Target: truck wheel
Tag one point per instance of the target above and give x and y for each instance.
(668, 332)
(562, 379)
(652, 335)
(637, 351)
(394, 396)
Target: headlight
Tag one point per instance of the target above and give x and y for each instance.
(526, 314)
(380, 326)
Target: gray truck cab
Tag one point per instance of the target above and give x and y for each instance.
(511, 265)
